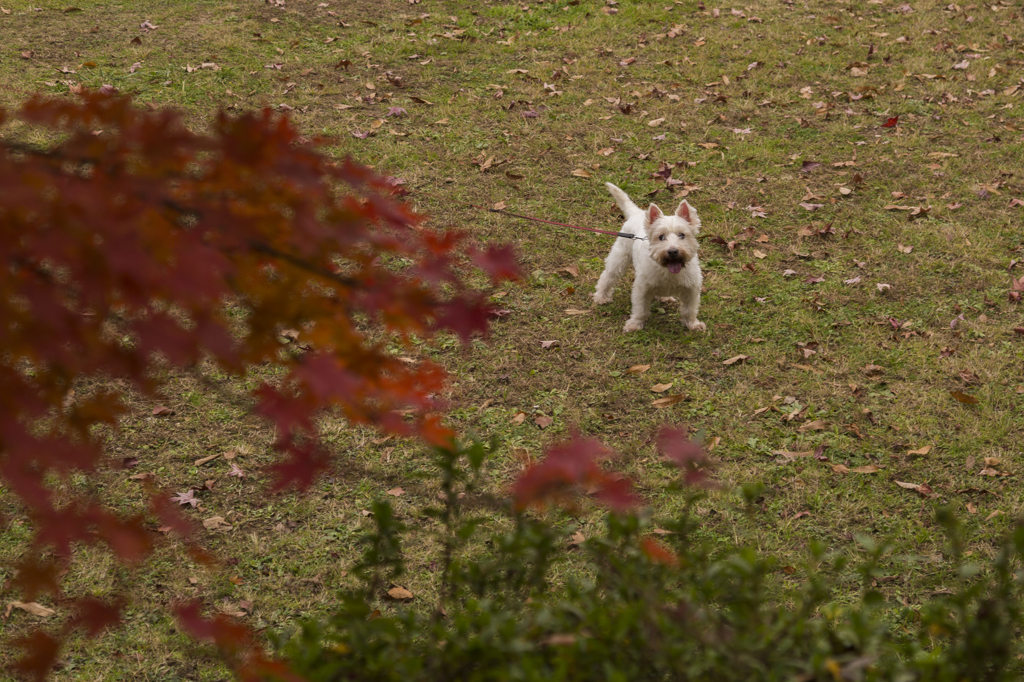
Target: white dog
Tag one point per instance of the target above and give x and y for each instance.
(666, 264)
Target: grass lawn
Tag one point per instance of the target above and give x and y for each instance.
(859, 171)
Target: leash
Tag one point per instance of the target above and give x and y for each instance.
(624, 235)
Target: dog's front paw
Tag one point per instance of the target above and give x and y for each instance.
(633, 326)
(696, 326)
(601, 299)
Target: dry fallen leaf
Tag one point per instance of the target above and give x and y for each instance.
(161, 411)
(581, 173)
(396, 492)
(656, 122)
(203, 460)
(35, 608)
(519, 418)
(543, 421)
(668, 401)
(638, 369)
(867, 469)
(736, 358)
(964, 398)
(571, 270)
(792, 455)
(400, 593)
(921, 451)
(922, 489)
(660, 388)
(816, 425)
(216, 523)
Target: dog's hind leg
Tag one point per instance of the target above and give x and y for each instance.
(689, 304)
(614, 265)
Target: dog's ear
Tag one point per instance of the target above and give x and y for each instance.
(653, 213)
(689, 214)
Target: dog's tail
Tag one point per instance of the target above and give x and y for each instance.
(626, 205)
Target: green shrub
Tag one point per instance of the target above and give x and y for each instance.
(644, 609)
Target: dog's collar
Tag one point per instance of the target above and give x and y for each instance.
(627, 235)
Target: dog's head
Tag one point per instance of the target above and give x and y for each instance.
(672, 238)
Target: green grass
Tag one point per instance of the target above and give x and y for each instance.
(958, 148)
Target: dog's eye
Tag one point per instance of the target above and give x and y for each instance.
(682, 236)
(661, 238)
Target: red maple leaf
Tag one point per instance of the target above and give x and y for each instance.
(688, 456)
(891, 123)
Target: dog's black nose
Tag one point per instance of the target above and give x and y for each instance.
(673, 252)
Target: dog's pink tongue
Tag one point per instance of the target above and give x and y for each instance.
(675, 268)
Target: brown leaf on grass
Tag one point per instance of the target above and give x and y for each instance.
(921, 451)
(964, 398)
(35, 608)
(668, 401)
(396, 492)
(840, 469)
(215, 523)
(203, 460)
(736, 359)
(519, 418)
(922, 489)
(582, 173)
(550, 344)
(871, 370)
(866, 469)
(500, 206)
(144, 476)
(572, 270)
(790, 456)
(660, 388)
(161, 411)
(188, 497)
(993, 515)
(543, 421)
(399, 593)
(971, 509)
(576, 311)
(816, 425)
(638, 369)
